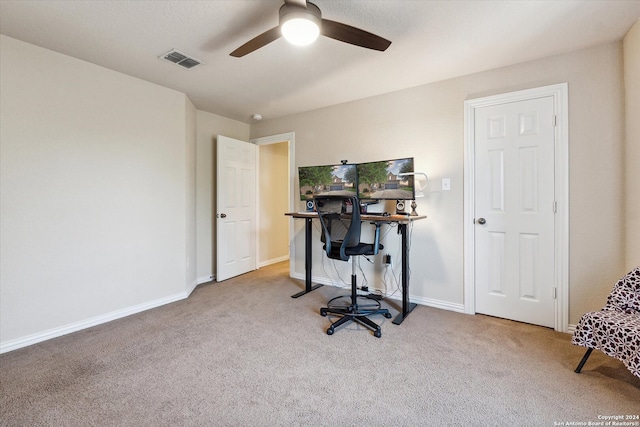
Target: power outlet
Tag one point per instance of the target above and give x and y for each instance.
(387, 259)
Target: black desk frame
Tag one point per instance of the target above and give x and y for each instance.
(407, 306)
(308, 286)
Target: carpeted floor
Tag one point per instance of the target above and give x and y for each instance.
(243, 353)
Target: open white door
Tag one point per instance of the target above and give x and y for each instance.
(236, 208)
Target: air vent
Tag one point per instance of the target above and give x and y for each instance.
(179, 58)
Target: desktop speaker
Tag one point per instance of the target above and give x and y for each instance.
(310, 205)
(400, 207)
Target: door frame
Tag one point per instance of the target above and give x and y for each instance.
(559, 92)
(290, 138)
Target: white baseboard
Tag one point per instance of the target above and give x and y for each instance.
(445, 305)
(273, 261)
(204, 279)
(320, 280)
(194, 285)
(93, 321)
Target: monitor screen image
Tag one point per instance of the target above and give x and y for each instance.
(381, 180)
(329, 179)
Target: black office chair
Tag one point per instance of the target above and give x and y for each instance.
(340, 220)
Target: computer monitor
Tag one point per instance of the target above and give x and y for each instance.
(382, 180)
(328, 179)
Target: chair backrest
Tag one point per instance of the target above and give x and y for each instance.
(340, 220)
(625, 296)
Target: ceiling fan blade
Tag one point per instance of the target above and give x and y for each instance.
(348, 34)
(257, 42)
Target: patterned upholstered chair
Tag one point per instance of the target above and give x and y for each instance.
(614, 330)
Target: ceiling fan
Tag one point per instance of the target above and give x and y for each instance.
(304, 19)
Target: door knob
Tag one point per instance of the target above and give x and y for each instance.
(482, 221)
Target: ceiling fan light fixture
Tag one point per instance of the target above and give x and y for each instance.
(300, 31)
(299, 25)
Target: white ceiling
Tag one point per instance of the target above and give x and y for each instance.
(431, 41)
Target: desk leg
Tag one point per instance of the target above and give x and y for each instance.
(407, 306)
(308, 286)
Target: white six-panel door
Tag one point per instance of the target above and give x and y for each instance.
(236, 208)
(514, 211)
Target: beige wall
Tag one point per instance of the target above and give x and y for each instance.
(96, 208)
(632, 146)
(209, 126)
(427, 122)
(273, 190)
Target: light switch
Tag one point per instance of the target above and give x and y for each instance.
(446, 184)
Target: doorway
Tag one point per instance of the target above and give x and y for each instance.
(516, 206)
(274, 189)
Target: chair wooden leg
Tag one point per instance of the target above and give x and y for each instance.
(583, 361)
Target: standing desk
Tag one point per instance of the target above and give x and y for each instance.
(401, 220)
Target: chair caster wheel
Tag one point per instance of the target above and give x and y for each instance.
(330, 331)
(376, 334)
(323, 313)
(388, 315)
